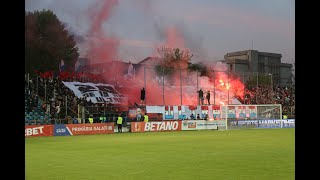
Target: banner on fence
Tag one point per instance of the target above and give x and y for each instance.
(241, 112)
(288, 123)
(218, 122)
(137, 126)
(156, 126)
(61, 130)
(97, 93)
(198, 125)
(251, 112)
(216, 112)
(38, 130)
(189, 125)
(155, 109)
(266, 123)
(77, 129)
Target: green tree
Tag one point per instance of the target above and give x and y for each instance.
(172, 59)
(47, 42)
(201, 68)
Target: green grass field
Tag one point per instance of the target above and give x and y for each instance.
(234, 154)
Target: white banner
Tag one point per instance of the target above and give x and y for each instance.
(155, 109)
(97, 93)
(189, 125)
(198, 125)
(175, 112)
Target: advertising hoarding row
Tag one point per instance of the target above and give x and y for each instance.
(68, 129)
(152, 126)
(211, 111)
(270, 123)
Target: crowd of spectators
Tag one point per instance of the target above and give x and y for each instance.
(59, 102)
(47, 92)
(284, 95)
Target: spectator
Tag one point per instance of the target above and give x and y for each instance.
(192, 117)
(205, 116)
(57, 110)
(90, 119)
(142, 95)
(208, 97)
(119, 123)
(139, 115)
(200, 95)
(75, 120)
(102, 118)
(145, 118)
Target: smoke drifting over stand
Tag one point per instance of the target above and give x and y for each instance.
(180, 87)
(101, 47)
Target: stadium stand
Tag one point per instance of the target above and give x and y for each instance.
(45, 91)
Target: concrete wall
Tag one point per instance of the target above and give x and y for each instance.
(241, 68)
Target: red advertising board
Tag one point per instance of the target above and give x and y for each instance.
(98, 128)
(137, 126)
(155, 126)
(38, 130)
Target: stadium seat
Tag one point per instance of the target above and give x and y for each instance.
(35, 117)
(48, 121)
(42, 121)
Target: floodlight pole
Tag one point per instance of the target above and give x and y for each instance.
(180, 88)
(226, 113)
(214, 88)
(271, 85)
(228, 85)
(145, 88)
(198, 89)
(244, 94)
(257, 88)
(281, 116)
(163, 86)
(66, 106)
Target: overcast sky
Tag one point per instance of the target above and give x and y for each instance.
(209, 28)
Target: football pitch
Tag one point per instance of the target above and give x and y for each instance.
(233, 154)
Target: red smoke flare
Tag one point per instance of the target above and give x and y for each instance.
(101, 47)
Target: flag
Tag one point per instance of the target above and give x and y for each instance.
(76, 66)
(62, 66)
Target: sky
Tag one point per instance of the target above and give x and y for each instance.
(132, 30)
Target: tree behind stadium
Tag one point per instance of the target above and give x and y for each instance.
(174, 59)
(47, 42)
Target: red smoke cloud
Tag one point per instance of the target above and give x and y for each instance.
(100, 46)
(184, 91)
(174, 39)
(179, 88)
